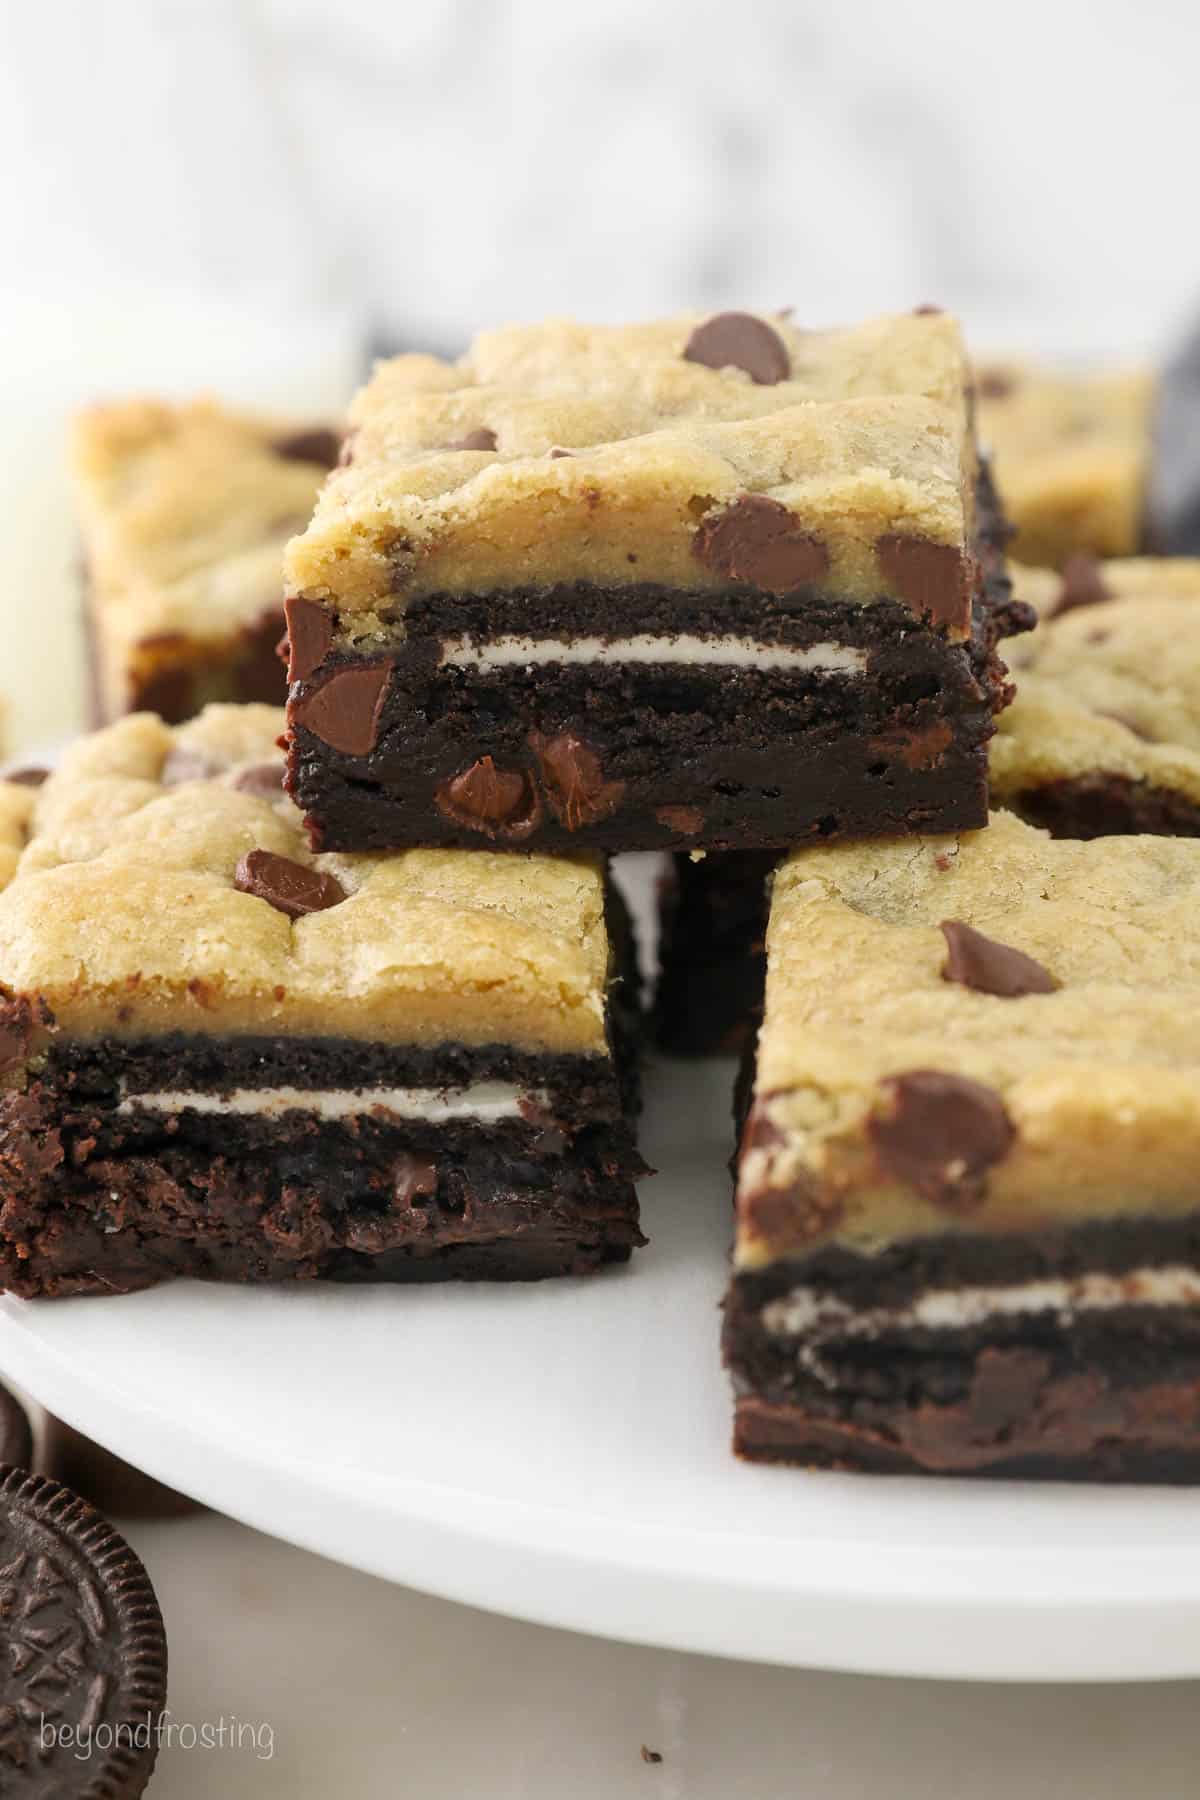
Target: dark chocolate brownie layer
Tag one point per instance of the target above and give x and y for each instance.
(1106, 1394)
(1105, 805)
(712, 960)
(96, 1199)
(396, 748)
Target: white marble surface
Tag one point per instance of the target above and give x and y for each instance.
(351, 1688)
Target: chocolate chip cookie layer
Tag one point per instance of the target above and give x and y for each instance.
(705, 583)
(184, 511)
(1104, 734)
(224, 1057)
(968, 1218)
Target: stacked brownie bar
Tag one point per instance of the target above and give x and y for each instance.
(184, 511)
(704, 584)
(223, 1056)
(967, 1229)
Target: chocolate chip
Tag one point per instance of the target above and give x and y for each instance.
(928, 312)
(651, 1756)
(413, 1178)
(940, 1134)
(556, 453)
(1082, 585)
(482, 438)
(344, 710)
(996, 384)
(574, 780)
(737, 340)
(933, 578)
(29, 777)
(309, 635)
(683, 821)
(989, 967)
(496, 802)
(261, 778)
(317, 444)
(758, 541)
(184, 764)
(290, 887)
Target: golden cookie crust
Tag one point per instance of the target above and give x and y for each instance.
(1111, 687)
(1071, 455)
(869, 434)
(1099, 1079)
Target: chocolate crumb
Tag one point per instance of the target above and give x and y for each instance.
(651, 1756)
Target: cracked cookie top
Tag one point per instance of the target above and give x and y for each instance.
(991, 1031)
(691, 452)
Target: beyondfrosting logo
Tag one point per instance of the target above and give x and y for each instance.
(85, 1741)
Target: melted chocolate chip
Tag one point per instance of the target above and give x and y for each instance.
(309, 635)
(574, 779)
(344, 710)
(758, 541)
(1082, 585)
(316, 444)
(940, 1134)
(414, 1178)
(29, 777)
(496, 802)
(933, 578)
(290, 887)
(482, 438)
(737, 340)
(261, 778)
(989, 967)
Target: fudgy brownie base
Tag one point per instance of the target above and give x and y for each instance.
(102, 1195)
(1106, 805)
(400, 747)
(712, 958)
(1110, 1394)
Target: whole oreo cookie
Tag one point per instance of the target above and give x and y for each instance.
(83, 1680)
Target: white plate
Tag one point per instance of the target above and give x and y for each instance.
(561, 1452)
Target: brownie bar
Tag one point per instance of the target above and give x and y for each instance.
(1104, 735)
(585, 588)
(184, 512)
(968, 1236)
(227, 1059)
(1073, 452)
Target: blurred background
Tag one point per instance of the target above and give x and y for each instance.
(243, 195)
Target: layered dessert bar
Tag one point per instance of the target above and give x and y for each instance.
(705, 584)
(1104, 734)
(184, 511)
(1072, 452)
(225, 1057)
(968, 1207)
